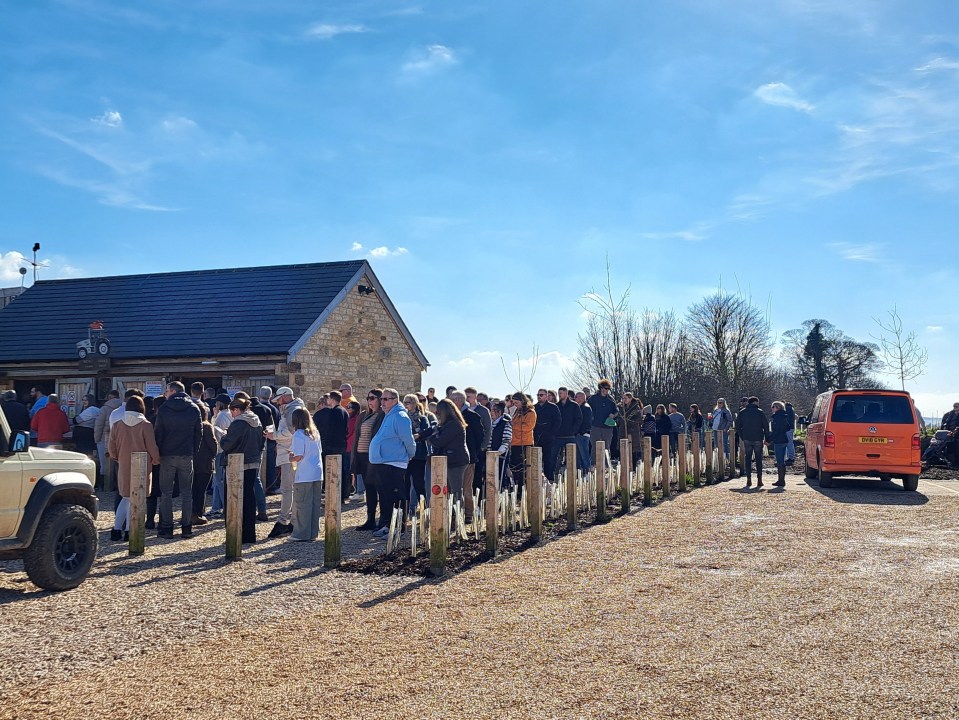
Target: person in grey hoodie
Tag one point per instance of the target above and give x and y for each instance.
(101, 435)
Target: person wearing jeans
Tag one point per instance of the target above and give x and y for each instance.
(603, 409)
(390, 451)
(722, 421)
(178, 435)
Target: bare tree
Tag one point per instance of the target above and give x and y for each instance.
(522, 380)
(902, 354)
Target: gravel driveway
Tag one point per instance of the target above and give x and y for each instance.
(720, 603)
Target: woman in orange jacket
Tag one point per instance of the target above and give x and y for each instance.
(524, 419)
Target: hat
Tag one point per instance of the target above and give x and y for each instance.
(223, 398)
(280, 392)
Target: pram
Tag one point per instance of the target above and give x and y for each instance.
(939, 450)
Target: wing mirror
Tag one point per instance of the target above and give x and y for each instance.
(19, 441)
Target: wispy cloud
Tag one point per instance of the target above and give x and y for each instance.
(432, 59)
(694, 233)
(378, 252)
(177, 124)
(934, 328)
(109, 118)
(328, 31)
(113, 194)
(859, 252)
(781, 95)
(939, 63)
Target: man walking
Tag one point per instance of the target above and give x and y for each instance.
(178, 434)
(390, 451)
(752, 427)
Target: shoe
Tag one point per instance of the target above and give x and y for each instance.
(367, 526)
(151, 524)
(115, 535)
(381, 533)
(187, 531)
(779, 483)
(199, 520)
(749, 482)
(126, 536)
(262, 517)
(214, 515)
(759, 484)
(277, 530)
(789, 463)
(287, 529)
(165, 533)
(294, 538)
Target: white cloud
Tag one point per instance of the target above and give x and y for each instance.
(56, 266)
(435, 57)
(379, 252)
(862, 252)
(939, 63)
(781, 95)
(177, 124)
(10, 264)
(110, 118)
(934, 328)
(328, 31)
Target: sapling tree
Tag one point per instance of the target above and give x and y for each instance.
(902, 354)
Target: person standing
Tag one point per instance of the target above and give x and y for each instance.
(332, 423)
(307, 452)
(664, 426)
(222, 420)
(523, 420)
(449, 441)
(722, 421)
(790, 432)
(245, 436)
(570, 418)
(367, 426)
(40, 400)
(473, 402)
(50, 423)
(101, 435)
(18, 417)
(416, 470)
(779, 437)
(474, 444)
(83, 425)
(752, 428)
(203, 466)
(544, 433)
(286, 404)
(390, 451)
(133, 433)
(604, 408)
(346, 396)
(500, 438)
(678, 429)
(583, 457)
(178, 434)
(265, 394)
(631, 424)
(696, 422)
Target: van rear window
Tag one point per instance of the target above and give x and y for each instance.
(892, 409)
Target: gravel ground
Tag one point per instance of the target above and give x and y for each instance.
(721, 603)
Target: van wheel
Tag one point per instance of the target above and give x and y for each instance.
(910, 482)
(825, 478)
(811, 472)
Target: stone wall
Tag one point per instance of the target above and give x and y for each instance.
(360, 344)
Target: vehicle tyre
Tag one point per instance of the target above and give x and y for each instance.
(82, 352)
(910, 482)
(103, 347)
(825, 478)
(811, 472)
(63, 549)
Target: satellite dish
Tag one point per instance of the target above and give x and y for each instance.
(23, 271)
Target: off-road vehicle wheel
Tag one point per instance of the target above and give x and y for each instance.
(63, 549)
(910, 482)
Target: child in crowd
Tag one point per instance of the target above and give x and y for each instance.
(306, 452)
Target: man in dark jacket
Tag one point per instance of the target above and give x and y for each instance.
(332, 422)
(583, 450)
(474, 444)
(570, 419)
(178, 434)
(18, 417)
(264, 394)
(548, 419)
(752, 427)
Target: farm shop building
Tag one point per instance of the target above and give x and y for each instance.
(310, 327)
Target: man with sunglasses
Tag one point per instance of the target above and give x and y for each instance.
(548, 420)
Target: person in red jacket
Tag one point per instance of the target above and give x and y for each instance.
(50, 424)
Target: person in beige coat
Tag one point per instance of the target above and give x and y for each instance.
(133, 433)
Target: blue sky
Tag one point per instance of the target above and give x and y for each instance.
(487, 157)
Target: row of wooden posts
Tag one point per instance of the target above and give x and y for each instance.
(439, 520)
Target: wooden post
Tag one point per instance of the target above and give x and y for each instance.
(709, 457)
(534, 491)
(332, 550)
(647, 470)
(571, 495)
(138, 496)
(624, 459)
(681, 462)
(234, 507)
(720, 474)
(664, 465)
(740, 465)
(601, 480)
(439, 522)
(697, 465)
(492, 498)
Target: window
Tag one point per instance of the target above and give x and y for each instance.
(865, 408)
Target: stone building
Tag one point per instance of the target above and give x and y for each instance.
(311, 327)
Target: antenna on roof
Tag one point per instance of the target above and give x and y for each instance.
(35, 263)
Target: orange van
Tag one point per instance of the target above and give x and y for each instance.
(863, 432)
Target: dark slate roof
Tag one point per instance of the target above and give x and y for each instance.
(242, 311)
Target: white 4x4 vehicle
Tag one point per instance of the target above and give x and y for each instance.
(47, 508)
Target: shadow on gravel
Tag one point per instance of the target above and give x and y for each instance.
(868, 491)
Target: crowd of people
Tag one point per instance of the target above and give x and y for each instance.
(384, 441)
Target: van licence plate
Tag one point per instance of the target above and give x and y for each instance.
(873, 440)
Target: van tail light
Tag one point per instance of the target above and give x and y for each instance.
(915, 441)
(830, 440)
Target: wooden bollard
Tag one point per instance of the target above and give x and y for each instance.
(697, 465)
(665, 465)
(681, 462)
(534, 491)
(234, 507)
(571, 495)
(138, 497)
(709, 457)
(720, 473)
(624, 458)
(439, 523)
(601, 480)
(332, 549)
(738, 450)
(492, 501)
(647, 470)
